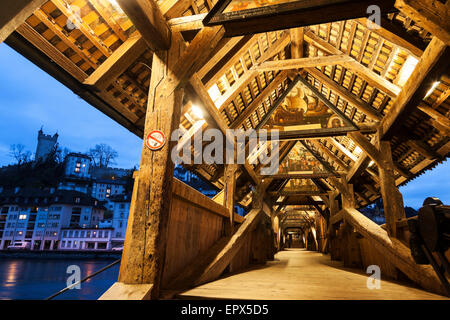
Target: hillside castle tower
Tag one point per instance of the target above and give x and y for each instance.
(45, 144)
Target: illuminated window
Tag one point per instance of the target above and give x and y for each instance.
(22, 217)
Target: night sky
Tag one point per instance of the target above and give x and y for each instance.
(29, 99)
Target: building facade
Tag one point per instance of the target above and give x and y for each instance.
(85, 239)
(38, 216)
(120, 209)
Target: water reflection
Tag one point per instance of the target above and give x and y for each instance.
(40, 278)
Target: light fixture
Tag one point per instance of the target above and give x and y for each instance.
(432, 89)
(197, 112)
(371, 163)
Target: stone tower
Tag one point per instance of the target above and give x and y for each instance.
(45, 144)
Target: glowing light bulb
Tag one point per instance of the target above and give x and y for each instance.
(197, 112)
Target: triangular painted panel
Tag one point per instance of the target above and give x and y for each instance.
(238, 5)
(305, 109)
(300, 160)
(300, 185)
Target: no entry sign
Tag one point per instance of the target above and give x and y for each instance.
(155, 140)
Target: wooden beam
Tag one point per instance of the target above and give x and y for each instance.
(392, 198)
(216, 71)
(434, 61)
(230, 190)
(438, 117)
(373, 153)
(300, 175)
(273, 49)
(117, 63)
(344, 189)
(358, 167)
(355, 101)
(174, 8)
(122, 291)
(296, 14)
(268, 90)
(373, 78)
(423, 149)
(299, 201)
(343, 149)
(244, 80)
(57, 57)
(296, 193)
(197, 53)
(145, 244)
(277, 103)
(432, 15)
(297, 42)
(150, 22)
(394, 250)
(331, 155)
(187, 23)
(223, 48)
(398, 36)
(365, 73)
(310, 62)
(14, 13)
(223, 259)
(368, 148)
(211, 113)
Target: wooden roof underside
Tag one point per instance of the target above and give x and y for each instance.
(106, 62)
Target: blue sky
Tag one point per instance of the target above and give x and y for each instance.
(29, 99)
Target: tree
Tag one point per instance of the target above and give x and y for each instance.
(17, 151)
(103, 155)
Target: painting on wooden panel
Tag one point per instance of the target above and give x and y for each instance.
(265, 15)
(300, 185)
(301, 161)
(238, 5)
(303, 110)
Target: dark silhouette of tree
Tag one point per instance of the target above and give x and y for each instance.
(102, 155)
(43, 173)
(18, 152)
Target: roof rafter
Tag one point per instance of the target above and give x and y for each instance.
(14, 14)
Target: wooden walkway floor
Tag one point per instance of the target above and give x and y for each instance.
(297, 274)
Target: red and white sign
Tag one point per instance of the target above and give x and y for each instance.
(155, 140)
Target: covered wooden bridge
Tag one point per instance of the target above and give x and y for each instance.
(361, 110)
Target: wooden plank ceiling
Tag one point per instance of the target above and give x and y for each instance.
(93, 47)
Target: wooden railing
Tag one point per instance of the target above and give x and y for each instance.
(196, 222)
(360, 242)
(199, 246)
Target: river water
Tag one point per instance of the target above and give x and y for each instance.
(26, 278)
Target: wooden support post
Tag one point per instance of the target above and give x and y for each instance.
(392, 198)
(145, 244)
(331, 233)
(230, 189)
(258, 197)
(149, 20)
